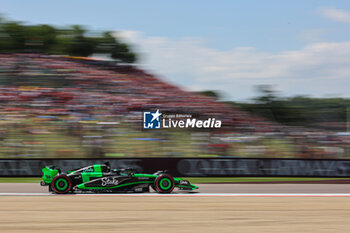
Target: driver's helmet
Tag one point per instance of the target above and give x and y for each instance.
(108, 166)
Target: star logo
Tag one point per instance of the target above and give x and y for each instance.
(156, 115)
(151, 120)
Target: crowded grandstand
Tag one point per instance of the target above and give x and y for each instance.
(64, 106)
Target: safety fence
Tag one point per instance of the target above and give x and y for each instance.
(192, 167)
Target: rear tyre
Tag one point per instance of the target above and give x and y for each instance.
(164, 183)
(61, 184)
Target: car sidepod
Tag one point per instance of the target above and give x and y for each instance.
(118, 183)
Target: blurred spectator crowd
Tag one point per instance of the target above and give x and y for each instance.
(57, 106)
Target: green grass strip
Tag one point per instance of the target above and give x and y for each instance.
(20, 179)
(198, 180)
(255, 179)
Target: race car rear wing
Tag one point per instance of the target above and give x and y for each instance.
(49, 172)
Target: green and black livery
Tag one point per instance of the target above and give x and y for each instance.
(101, 178)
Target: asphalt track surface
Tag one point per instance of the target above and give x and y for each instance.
(223, 208)
(255, 189)
(89, 213)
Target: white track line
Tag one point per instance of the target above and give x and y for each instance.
(190, 194)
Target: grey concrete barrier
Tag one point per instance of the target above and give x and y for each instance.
(193, 167)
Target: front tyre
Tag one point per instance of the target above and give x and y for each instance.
(164, 183)
(61, 184)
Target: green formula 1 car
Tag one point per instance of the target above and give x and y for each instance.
(101, 178)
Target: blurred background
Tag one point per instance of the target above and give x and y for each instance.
(74, 85)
